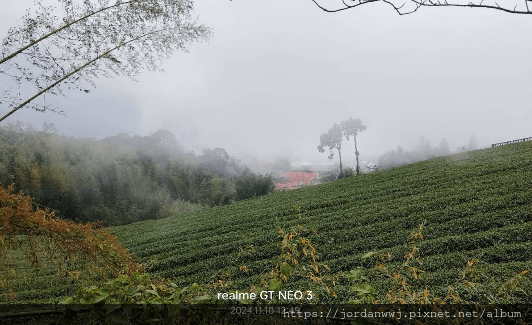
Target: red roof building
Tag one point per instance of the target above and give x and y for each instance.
(295, 180)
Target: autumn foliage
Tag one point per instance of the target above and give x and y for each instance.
(46, 240)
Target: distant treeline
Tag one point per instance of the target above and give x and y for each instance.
(120, 179)
(422, 151)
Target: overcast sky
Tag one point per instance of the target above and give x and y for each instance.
(276, 74)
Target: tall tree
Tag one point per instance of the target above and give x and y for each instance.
(411, 6)
(332, 140)
(350, 128)
(52, 54)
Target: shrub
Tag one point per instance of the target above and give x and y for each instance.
(346, 172)
(34, 238)
(250, 185)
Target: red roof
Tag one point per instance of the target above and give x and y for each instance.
(295, 180)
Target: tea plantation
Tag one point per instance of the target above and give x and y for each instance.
(455, 228)
(476, 237)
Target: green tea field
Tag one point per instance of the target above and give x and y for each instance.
(453, 228)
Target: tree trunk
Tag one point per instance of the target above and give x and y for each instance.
(356, 153)
(340, 155)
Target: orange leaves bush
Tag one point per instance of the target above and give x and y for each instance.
(19, 217)
(44, 235)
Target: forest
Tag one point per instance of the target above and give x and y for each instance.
(120, 179)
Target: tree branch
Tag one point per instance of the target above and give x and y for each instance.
(105, 54)
(430, 4)
(344, 8)
(12, 55)
(471, 5)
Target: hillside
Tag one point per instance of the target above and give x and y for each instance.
(120, 179)
(477, 207)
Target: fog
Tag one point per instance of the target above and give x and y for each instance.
(121, 179)
(277, 74)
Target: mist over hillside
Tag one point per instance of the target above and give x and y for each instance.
(422, 151)
(121, 179)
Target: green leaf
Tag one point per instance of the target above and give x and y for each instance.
(153, 292)
(85, 301)
(132, 290)
(175, 298)
(363, 289)
(100, 298)
(112, 308)
(275, 284)
(286, 270)
(195, 286)
(67, 301)
(367, 255)
(116, 316)
(355, 274)
(367, 287)
(202, 299)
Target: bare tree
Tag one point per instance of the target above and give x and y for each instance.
(404, 7)
(350, 128)
(332, 140)
(95, 38)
